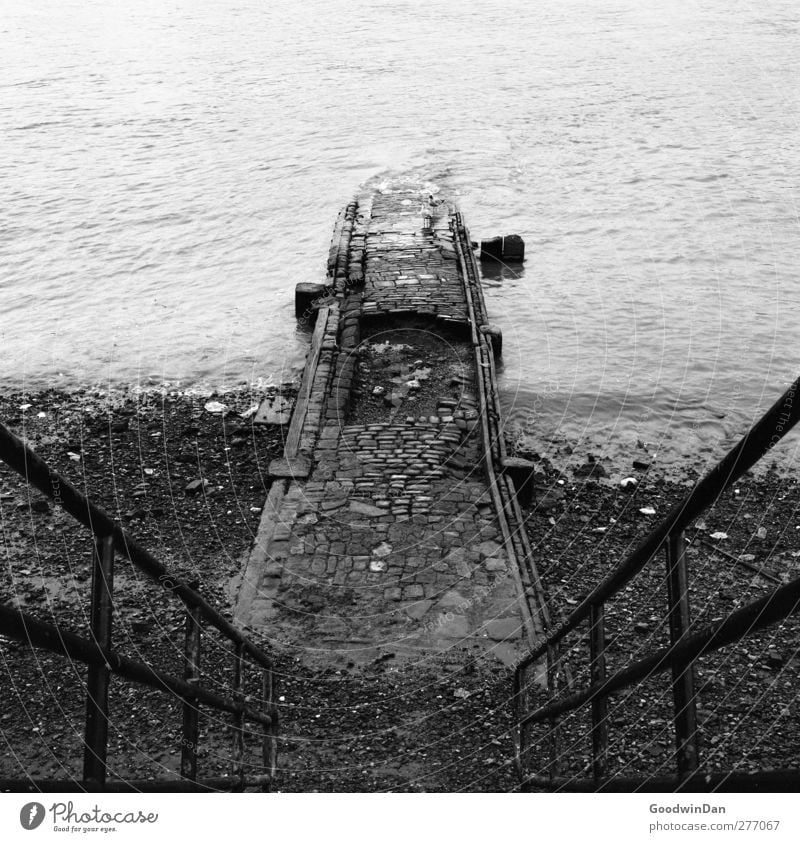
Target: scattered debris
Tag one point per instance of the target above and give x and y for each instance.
(215, 407)
(382, 550)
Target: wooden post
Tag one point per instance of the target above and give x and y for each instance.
(683, 694)
(102, 608)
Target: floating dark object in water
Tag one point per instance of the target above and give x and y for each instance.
(510, 248)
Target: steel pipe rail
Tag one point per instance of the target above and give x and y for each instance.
(20, 626)
(753, 617)
(778, 780)
(209, 785)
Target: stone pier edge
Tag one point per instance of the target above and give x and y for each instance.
(309, 411)
(515, 537)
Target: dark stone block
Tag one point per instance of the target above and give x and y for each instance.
(513, 248)
(304, 296)
(495, 337)
(521, 472)
(492, 249)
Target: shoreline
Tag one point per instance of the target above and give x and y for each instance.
(616, 443)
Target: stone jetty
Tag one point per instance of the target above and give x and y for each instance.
(392, 523)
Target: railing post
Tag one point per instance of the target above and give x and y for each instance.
(683, 693)
(96, 732)
(191, 674)
(597, 654)
(238, 718)
(552, 690)
(269, 746)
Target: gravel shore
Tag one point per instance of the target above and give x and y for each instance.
(189, 483)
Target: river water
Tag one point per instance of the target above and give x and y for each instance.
(171, 170)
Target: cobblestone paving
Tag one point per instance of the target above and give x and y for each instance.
(391, 543)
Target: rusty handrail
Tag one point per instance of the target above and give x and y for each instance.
(103, 661)
(780, 780)
(17, 455)
(768, 431)
(21, 626)
(685, 647)
(756, 615)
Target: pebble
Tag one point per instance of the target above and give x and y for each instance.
(196, 486)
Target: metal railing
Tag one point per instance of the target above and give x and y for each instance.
(686, 644)
(98, 653)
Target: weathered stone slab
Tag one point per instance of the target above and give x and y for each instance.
(500, 630)
(361, 508)
(274, 409)
(290, 467)
(417, 610)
